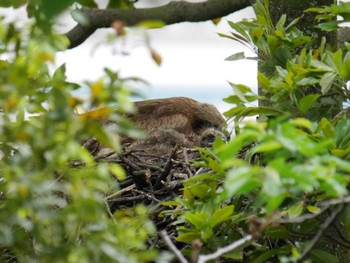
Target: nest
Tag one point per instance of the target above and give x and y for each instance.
(152, 177)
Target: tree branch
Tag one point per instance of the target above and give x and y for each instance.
(171, 13)
(172, 247)
(221, 251)
(319, 233)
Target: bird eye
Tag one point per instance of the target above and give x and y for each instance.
(201, 124)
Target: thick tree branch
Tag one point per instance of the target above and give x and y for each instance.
(171, 13)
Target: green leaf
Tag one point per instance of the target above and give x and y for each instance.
(228, 151)
(272, 186)
(87, 3)
(343, 165)
(322, 256)
(307, 81)
(267, 146)
(313, 209)
(221, 215)
(242, 111)
(326, 82)
(202, 190)
(296, 210)
(236, 56)
(302, 122)
(233, 99)
(240, 30)
(281, 22)
(329, 26)
(345, 217)
(326, 127)
(119, 4)
(266, 255)
(170, 203)
(345, 69)
(241, 180)
(13, 3)
(263, 81)
(117, 171)
(307, 101)
(293, 23)
(105, 136)
(188, 237)
(80, 17)
(198, 220)
(277, 232)
(239, 90)
(54, 8)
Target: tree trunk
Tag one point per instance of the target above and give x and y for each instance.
(294, 9)
(307, 23)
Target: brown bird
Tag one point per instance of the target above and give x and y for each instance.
(173, 121)
(184, 115)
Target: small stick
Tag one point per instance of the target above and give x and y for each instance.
(224, 250)
(167, 169)
(147, 195)
(126, 189)
(320, 232)
(187, 164)
(172, 247)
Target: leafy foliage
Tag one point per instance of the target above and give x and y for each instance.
(281, 172)
(327, 14)
(294, 78)
(52, 211)
(278, 181)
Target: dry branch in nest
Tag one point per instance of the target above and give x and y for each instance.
(151, 177)
(155, 172)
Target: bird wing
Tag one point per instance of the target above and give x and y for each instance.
(160, 115)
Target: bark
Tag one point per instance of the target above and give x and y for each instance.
(294, 9)
(307, 23)
(171, 13)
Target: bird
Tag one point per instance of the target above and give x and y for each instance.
(172, 121)
(181, 114)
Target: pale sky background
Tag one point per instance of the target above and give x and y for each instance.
(192, 58)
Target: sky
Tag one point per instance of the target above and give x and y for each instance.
(192, 55)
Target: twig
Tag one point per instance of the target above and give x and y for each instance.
(172, 247)
(224, 250)
(109, 211)
(128, 162)
(126, 189)
(147, 195)
(319, 233)
(326, 205)
(126, 183)
(302, 218)
(338, 201)
(167, 169)
(127, 199)
(341, 234)
(105, 155)
(146, 165)
(187, 164)
(339, 242)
